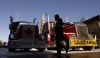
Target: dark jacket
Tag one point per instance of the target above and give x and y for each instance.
(58, 27)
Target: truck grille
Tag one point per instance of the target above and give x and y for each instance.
(82, 31)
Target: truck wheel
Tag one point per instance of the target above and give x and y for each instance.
(11, 49)
(40, 49)
(26, 49)
(52, 48)
(73, 48)
(65, 45)
(88, 48)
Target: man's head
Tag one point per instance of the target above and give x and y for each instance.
(56, 17)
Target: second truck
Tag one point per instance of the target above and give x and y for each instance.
(76, 32)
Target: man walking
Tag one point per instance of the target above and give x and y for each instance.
(59, 33)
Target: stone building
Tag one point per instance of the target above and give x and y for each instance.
(93, 25)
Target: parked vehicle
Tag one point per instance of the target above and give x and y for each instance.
(24, 35)
(76, 32)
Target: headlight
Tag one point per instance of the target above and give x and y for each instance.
(12, 36)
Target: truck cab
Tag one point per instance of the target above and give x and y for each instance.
(24, 35)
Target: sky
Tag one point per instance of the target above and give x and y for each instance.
(27, 10)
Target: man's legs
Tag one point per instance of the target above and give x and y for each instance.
(67, 43)
(58, 46)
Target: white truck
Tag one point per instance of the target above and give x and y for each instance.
(24, 35)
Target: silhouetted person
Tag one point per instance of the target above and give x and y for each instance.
(59, 33)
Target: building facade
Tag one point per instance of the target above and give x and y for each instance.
(93, 25)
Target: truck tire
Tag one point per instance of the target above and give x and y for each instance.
(88, 48)
(40, 49)
(11, 49)
(26, 49)
(52, 48)
(65, 45)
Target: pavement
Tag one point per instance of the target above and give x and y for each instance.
(4, 51)
(49, 54)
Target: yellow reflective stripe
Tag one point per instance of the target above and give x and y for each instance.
(80, 42)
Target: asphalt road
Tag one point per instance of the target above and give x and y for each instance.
(49, 54)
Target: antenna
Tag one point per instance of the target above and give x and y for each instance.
(83, 19)
(66, 18)
(11, 13)
(48, 21)
(17, 17)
